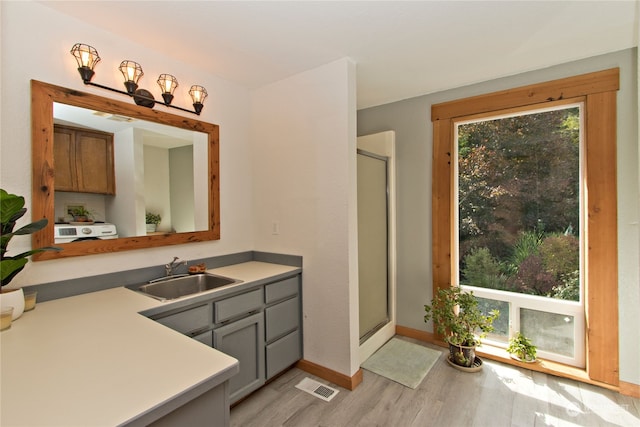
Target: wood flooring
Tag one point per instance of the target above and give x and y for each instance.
(499, 395)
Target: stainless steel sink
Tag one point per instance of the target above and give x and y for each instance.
(180, 286)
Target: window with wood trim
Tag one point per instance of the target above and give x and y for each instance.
(520, 224)
(597, 92)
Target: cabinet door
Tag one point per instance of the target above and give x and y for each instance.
(64, 160)
(244, 340)
(204, 338)
(83, 160)
(94, 163)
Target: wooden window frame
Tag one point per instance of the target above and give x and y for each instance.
(598, 90)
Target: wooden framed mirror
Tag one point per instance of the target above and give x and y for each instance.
(44, 97)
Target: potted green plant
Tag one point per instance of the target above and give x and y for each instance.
(522, 349)
(152, 221)
(460, 321)
(11, 210)
(81, 214)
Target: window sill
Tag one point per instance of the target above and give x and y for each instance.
(545, 366)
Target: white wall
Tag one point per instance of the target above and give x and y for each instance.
(303, 161)
(157, 193)
(35, 44)
(181, 185)
(122, 208)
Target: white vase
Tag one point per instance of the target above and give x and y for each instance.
(151, 228)
(13, 298)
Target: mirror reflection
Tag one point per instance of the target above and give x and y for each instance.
(103, 169)
(144, 181)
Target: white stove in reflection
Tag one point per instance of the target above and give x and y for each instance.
(65, 233)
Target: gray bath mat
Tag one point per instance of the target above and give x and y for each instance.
(402, 361)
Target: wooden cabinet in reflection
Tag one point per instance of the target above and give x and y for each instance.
(83, 160)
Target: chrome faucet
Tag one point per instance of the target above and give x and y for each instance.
(168, 268)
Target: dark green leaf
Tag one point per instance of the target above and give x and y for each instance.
(9, 267)
(33, 227)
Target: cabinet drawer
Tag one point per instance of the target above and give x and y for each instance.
(283, 353)
(283, 289)
(282, 318)
(188, 320)
(238, 305)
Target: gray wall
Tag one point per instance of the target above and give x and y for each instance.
(411, 120)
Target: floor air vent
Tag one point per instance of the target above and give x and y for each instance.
(317, 389)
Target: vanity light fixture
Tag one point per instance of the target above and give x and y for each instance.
(168, 84)
(87, 57)
(198, 94)
(131, 71)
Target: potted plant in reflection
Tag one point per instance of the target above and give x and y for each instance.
(458, 319)
(11, 210)
(152, 220)
(522, 349)
(81, 214)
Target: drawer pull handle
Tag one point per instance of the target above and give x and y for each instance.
(198, 332)
(240, 316)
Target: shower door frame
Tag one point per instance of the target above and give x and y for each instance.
(383, 145)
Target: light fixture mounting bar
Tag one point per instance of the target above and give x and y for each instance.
(138, 95)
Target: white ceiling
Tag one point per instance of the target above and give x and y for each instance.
(402, 49)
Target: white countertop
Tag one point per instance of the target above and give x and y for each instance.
(93, 360)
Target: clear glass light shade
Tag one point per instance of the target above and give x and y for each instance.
(132, 71)
(167, 83)
(198, 94)
(86, 56)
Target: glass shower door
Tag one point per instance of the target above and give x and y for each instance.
(373, 246)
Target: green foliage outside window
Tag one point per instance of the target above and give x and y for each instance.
(518, 194)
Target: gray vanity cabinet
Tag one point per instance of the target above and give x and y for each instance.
(283, 333)
(261, 327)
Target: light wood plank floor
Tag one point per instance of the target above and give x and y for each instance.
(499, 395)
